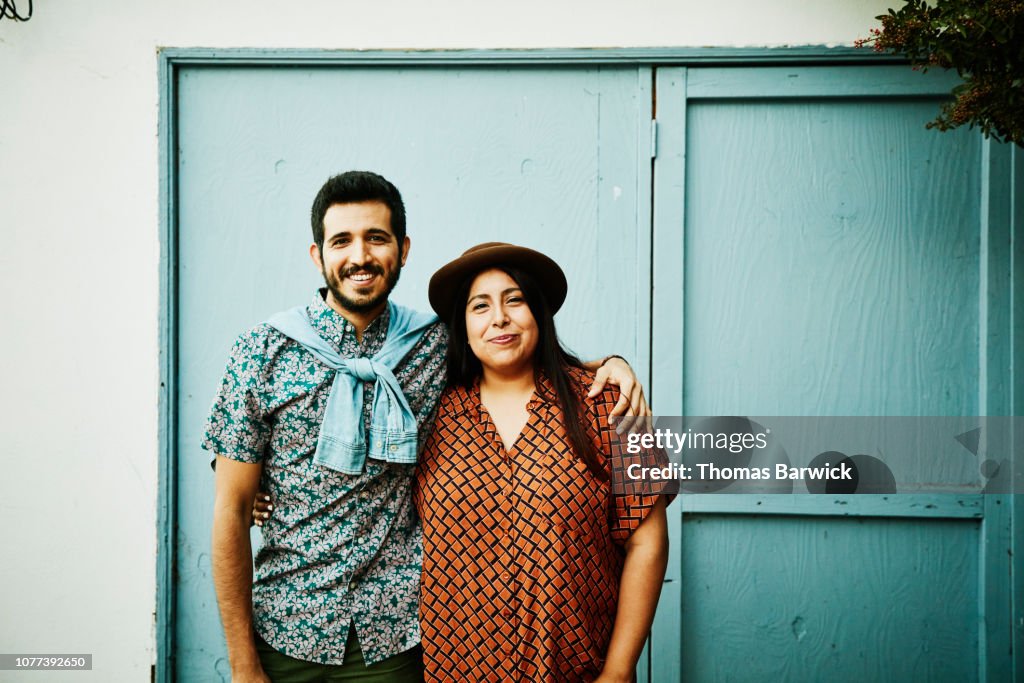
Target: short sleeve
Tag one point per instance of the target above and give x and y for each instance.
(236, 427)
(631, 500)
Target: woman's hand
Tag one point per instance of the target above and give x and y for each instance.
(631, 403)
(261, 508)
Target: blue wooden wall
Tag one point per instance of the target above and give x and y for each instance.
(786, 240)
(830, 256)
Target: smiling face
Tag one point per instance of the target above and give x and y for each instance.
(361, 259)
(501, 329)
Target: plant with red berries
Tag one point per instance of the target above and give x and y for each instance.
(983, 40)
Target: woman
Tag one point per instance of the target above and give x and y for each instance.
(527, 552)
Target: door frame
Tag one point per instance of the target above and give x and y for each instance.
(1000, 207)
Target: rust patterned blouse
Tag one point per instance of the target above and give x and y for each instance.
(523, 550)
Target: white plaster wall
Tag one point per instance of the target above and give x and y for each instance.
(79, 257)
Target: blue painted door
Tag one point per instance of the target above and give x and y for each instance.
(554, 158)
(818, 252)
(803, 246)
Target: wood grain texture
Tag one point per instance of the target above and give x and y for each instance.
(1017, 392)
(794, 599)
(832, 260)
(935, 506)
(167, 469)
(996, 398)
(641, 56)
(644, 277)
(668, 338)
(818, 81)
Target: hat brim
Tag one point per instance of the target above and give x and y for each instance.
(444, 284)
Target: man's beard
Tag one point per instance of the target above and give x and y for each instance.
(362, 306)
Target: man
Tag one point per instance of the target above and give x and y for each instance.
(337, 578)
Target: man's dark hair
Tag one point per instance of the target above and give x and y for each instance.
(550, 357)
(357, 186)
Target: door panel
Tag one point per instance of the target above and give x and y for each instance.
(545, 157)
(782, 585)
(826, 257)
(832, 260)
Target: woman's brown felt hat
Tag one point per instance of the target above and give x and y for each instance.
(445, 282)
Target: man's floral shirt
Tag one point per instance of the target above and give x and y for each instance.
(338, 550)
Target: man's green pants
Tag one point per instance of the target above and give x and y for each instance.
(406, 667)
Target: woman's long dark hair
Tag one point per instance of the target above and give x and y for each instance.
(550, 357)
